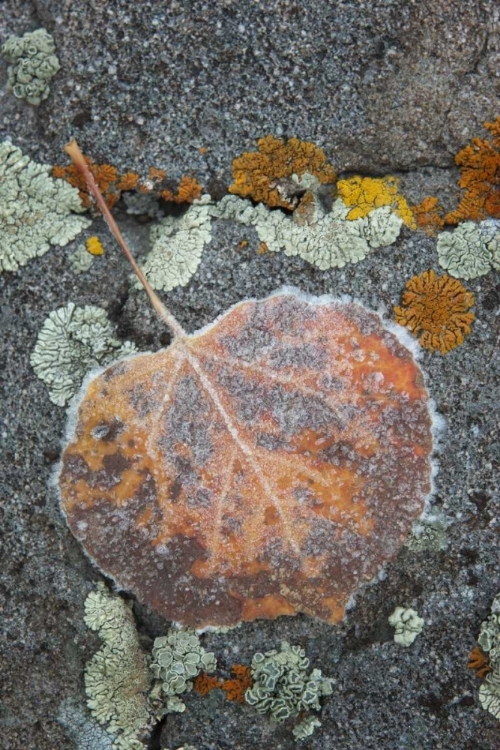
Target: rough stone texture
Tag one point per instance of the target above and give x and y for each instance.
(382, 86)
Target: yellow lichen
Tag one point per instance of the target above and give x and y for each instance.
(436, 310)
(366, 193)
(262, 249)
(94, 247)
(256, 174)
(428, 215)
(479, 164)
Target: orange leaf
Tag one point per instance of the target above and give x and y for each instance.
(268, 464)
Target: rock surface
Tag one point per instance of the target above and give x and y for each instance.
(388, 86)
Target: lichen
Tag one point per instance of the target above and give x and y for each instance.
(407, 624)
(234, 688)
(429, 215)
(188, 190)
(81, 260)
(471, 249)
(429, 536)
(306, 728)
(33, 63)
(324, 238)
(364, 194)
(71, 342)
(178, 658)
(177, 247)
(271, 174)
(282, 687)
(489, 642)
(479, 164)
(82, 729)
(35, 210)
(106, 176)
(117, 678)
(436, 310)
(479, 662)
(94, 246)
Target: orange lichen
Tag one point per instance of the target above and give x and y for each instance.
(479, 662)
(189, 189)
(235, 689)
(242, 244)
(479, 164)
(128, 181)
(365, 194)
(257, 174)
(262, 249)
(428, 215)
(436, 310)
(94, 246)
(204, 683)
(105, 175)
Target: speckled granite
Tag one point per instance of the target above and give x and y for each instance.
(383, 86)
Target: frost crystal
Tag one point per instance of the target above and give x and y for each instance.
(407, 625)
(35, 210)
(72, 341)
(117, 678)
(325, 239)
(179, 657)
(471, 249)
(177, 247)
(282, 686)
(33, 64)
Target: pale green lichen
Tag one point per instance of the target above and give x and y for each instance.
(33, 63)
(471, 249)
(36, 211)
(429, 535)
(325, 238)
(177, 246)
(72, 341)
(81, 260)
(82, 730)
(178, 658)
(117, 678)
(282, 687)
(306, 728)
(489, 641)
(407, 624)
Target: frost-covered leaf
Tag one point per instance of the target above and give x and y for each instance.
(266, 465)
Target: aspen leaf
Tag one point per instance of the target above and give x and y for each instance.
(266, 465)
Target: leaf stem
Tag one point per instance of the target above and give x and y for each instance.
(73, 150)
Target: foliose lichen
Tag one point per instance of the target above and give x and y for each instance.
(489, 641)
(36, 211)
(322, 237)
(282, 687)
(306, 728)
(71, 342)
(429, 535)
(177, 247)
(178, 658)
(81, 260)
(117, 678)
(33, 63)
(364, 194)
(437, 310)
(407, 625)
(272, 174)
(471, 249)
